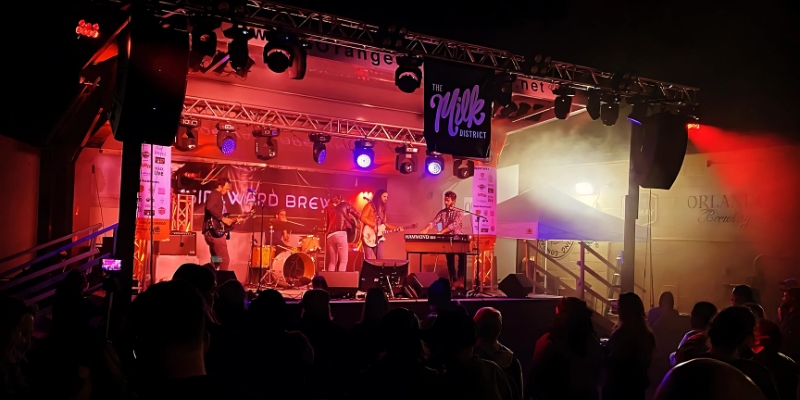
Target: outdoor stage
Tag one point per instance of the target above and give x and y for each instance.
(524, 320)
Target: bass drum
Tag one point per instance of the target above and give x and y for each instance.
(298, 269)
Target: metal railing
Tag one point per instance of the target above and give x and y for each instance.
(34, 291)
(582, 288)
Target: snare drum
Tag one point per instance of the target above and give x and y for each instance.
(309, 244)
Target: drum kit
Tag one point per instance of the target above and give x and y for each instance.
(291, 263)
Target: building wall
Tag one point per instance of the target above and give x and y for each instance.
(19, 176)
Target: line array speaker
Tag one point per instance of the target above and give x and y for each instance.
(662, 142)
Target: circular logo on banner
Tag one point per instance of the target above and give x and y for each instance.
(557, 249)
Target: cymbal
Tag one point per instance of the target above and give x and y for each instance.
(275, 220)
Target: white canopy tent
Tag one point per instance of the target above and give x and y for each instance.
(545, 213)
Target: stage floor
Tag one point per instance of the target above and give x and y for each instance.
(524, 319)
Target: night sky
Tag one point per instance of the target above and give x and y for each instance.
(740, 54)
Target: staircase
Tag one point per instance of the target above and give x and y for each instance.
(35, 281)
(604, 305)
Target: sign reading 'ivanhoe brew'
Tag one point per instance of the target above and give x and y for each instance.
(458, 109)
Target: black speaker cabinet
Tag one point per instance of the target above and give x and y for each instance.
(153, 63)
(516, 286)
(341, 284)
(663, 138)
(417, 284)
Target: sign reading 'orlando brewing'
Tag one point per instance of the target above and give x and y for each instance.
(458, 109)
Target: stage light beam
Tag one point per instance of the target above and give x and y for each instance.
(319, 152)
(363, 154)
(226, 138)
(434, 163)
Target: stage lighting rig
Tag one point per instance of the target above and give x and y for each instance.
(434, 163)
(266, 145)
(406, 161)
(238, 51)
(540, 65)
(204, 41)
(463, 169)
(640, 109)
(408, 75)
(285, 52)
(319, 152)
(187, 136)
(609, 110)
(226, 138)
(593, 104)
(363, 154)
(563, 101)
(503, 91)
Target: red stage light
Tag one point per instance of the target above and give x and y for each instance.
(692, 126)
(88, 30)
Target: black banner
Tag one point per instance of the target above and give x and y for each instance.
(458, 109)
(304, 195)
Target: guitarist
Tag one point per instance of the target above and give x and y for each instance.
(338, 216)
(373, 215)
(215, 208)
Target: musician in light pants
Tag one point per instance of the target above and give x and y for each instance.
(339, 218)
(374, 215)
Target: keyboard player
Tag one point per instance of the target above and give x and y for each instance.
(451, 219)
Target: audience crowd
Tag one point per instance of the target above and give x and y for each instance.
(191, 339)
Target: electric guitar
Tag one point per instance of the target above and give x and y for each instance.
(218, 229)
(371, 238)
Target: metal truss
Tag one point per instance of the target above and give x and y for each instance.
(241, 114)
(182, 212)
(328, 28)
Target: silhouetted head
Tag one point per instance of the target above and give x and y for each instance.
(731, 328)
(742, 295)
(756, 309)
(702, 314)
(490, 323)
(631, 309)
(199, 277)
(16, 329)
(375, 306)
(791, 299)
(573, 325)
(439, 293)
(316, 304)
(451, 333)
(319, 282)
(166, 324)
(768, 336)
(666, 301)
(707, 379)
(268, 311)
(400, 333)
(230, 300)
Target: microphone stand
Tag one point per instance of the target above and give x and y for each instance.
(476, 287)
(260, 246)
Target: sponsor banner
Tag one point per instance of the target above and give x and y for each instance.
(533, 88)
(458, 109)
(153, 211)
(484, 200)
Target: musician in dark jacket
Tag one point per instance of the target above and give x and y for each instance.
(215, 210)
(340, 217)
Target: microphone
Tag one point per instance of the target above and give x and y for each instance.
(367, 198)
(251, 190)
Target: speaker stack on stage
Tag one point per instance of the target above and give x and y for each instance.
(341, 284)
(417, 284)
(389, 275)
(516, 286)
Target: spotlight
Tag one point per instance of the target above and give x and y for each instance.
(434, 163)
(593, 104)
(540, 65)
(639, 112)
(406, 161)
(266, 148)
(502, 90)
(186, 139)
(584, 188)
(226, 138)
(408, 75)
(237, 49)
(363, 155)
(463, 169)
(88, 29)
(204, 42)
(319, 153)
(609, 110)
(563, 103)
(284, 51)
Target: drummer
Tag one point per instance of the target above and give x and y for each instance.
(280, 237)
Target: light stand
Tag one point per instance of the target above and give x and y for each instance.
(476, 287)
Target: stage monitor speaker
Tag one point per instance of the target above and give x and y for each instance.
(516, 286)
(417, 284)
(390, 275)
(224, 276)
(662, 142)
(153, 64)
(179, 244)
(341, 284)
(167, 265)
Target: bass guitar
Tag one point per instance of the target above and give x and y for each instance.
(219, 229)
(371, 238)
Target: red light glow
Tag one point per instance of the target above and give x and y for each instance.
(87, 29)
